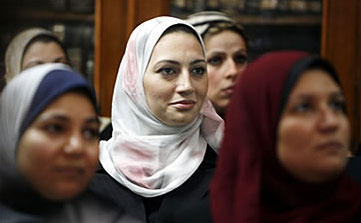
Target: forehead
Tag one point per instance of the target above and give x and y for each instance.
(68, 99)
(41, 47)
(316, 81)
(177, 44)
(226, 37)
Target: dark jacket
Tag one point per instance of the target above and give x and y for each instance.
(187, 203)
(86, 208)
(354, 167)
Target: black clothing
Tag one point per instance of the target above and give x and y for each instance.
(106, 133)
(354, 167)
(171, 207)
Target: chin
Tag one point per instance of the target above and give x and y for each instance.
(330, 171)
(220, 106)
(181, 120)
(64, 192)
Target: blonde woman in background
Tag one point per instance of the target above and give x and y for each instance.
(226, 50)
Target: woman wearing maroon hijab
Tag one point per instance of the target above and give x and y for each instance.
(286, 146)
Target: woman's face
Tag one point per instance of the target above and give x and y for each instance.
(314, 132)
(175, 81)
(227, 59)
(41, 52)
(58, 153)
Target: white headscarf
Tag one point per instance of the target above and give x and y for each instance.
(144, 154)
(15, 101)
(15, 51)
(202, 20)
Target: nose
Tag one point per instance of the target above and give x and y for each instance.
(184, 83)
(74, 145)
(329, 120)
(232, 70)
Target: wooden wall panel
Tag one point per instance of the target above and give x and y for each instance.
(114, 21)
(341, 44)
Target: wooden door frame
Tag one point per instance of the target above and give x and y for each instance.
(114, 22)
(341, 44)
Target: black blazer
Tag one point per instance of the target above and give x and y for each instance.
(187, 203)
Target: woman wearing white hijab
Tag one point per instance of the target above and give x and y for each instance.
(49, 148)
(166, 134)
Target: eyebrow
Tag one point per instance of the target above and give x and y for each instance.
(241, 51)
(60, 58)
(93, 120)
(198, 61)
(64, 118)
(216, 52)
(177, 63)
(168, 61)
(309, 95)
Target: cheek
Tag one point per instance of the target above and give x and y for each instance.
(92, 156)
(214, 76)
(293, 138)
(35, 150)
(34, 157)
(158, 93)
(158, 96)
(156, 99)
(241, 69)
(201, 86)
(345, 131)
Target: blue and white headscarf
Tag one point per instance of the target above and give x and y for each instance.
(23, 99)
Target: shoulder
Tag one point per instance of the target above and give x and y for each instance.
(104, 187)
(10, 215)
(91, 208)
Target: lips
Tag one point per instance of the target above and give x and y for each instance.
(69, 171)
(183, 104)
(331, 145)
(228, 90)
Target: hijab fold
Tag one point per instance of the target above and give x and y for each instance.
(144, 154)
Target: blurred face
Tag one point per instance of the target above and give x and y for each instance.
(227, 59)
(314, 132)
(175, 81)
(40, 53)
(58, 153)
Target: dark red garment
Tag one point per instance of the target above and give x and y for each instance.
(250, 186)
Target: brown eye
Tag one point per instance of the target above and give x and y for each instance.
(54, 128)
(338, 105)
(240, 59)
(215, 60)
(166, 71)
(303, 107)
(91, 133)
(198, 71)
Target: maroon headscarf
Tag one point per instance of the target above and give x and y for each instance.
(250, 185)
